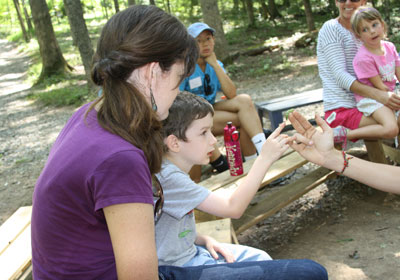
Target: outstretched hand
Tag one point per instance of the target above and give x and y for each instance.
(276, 144)
(311, 143)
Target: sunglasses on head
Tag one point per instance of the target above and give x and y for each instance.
(160, 201)
(344, 1)
(207, 87)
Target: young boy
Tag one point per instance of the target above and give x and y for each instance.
(188, 140)
(209, 78)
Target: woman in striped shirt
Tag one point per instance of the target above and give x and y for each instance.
(336, 49)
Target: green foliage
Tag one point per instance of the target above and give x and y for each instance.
(18, 37)
(65, 90)
(23, 160)
(71, 89)
(60, 91)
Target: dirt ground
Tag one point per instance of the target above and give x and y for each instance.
(353, 231)
(360, 243)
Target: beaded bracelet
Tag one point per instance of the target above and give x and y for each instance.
(345, 163)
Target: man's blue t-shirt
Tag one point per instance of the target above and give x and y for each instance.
(196, 82)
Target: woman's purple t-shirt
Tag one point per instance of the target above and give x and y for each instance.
(88, 169)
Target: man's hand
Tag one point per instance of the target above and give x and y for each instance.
(392, 101)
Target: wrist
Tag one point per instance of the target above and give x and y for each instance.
(334, 160)
(264, 160)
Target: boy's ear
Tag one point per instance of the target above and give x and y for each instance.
(172, 143)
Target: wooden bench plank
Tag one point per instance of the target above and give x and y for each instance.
(276, 107)
(295, 101)
(375, 151)
(280, 168)
(220, 230)
(222, 179)
(392, 153)
(305, 94)
(17, 258)
(279, 199)
(14, 226)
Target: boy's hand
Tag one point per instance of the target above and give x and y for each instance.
(211, 59)
(276, 144)
(214, 247)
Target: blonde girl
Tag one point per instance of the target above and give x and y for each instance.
(376, 64)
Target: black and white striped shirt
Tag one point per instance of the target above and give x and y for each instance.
(336, 50)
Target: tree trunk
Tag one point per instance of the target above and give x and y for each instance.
(286, 3)
(386, 15)
(250, 13)
(116, 6)
(244, 8)
(168, 6)
(131, 2)
(309, 16)
(191, 9)
(212, 17)
(103, 4)
(21, 21)
(27, 17)
(78, 28)
(273, 11)
(152, 2)
(53, 61)
(332, 7)
(236, 6)
(264, 9)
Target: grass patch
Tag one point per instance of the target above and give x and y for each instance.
(62, 90)
(67, 96)
(22, 160)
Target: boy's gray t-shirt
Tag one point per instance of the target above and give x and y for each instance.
(176, 227)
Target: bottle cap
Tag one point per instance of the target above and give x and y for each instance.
(235, 135)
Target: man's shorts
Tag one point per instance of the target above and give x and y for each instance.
(347, 117)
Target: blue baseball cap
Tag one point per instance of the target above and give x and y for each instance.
(196, 28)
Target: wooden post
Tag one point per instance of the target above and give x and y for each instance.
(375, 151)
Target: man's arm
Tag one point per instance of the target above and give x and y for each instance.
(227, 86)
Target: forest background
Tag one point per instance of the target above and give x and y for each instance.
(268, 47)
(60, 69)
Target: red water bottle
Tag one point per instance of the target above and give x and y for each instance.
(232, 146)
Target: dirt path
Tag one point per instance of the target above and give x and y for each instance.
(26, 132)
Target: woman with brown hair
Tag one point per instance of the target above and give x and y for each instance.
(93, 203)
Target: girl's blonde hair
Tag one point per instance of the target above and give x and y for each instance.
(365, 13)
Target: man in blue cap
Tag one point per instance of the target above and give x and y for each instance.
(209, 78)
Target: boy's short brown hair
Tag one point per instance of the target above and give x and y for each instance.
(186, 108)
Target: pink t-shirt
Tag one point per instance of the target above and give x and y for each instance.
(368, 65)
